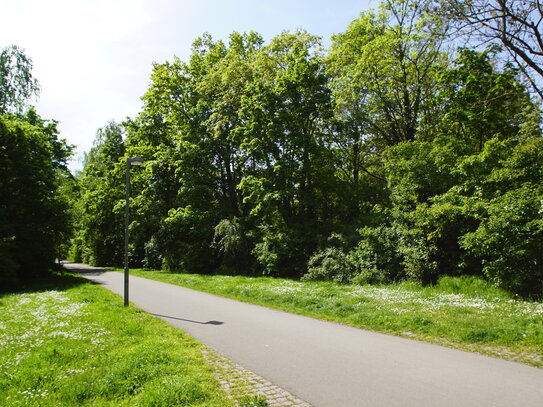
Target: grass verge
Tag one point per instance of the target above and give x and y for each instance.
(461, 312)
(68, 342)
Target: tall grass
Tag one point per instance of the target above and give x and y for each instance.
(463, 312)
(74, 344)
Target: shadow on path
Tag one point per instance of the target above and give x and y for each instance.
(189, 320)
(90, 271)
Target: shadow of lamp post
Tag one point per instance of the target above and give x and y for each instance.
(129, 163)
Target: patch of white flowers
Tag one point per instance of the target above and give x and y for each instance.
(24, 397)
(31, 321)
(401, 300)
(33, 393)
(287, 287)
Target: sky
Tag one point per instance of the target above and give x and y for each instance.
(93, 58)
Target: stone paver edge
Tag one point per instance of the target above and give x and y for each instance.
(239, 382)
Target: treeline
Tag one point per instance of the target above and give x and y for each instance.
(34, 206)
(385, 157)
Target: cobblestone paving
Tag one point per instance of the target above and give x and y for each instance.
(242, 384)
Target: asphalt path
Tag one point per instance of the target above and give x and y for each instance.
(332, 365)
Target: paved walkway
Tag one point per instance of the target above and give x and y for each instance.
(331, 365)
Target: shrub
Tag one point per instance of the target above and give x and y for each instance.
(282, 251)
(234, 247)
(331, 263)
(376, 258)
(419, 258)
(510, 241)
(153, 256)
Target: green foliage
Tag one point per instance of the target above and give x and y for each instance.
(256, 152)
(34, 216)
(281, 252)
(99, 202)
(331, 263)
(377, 257)
(510, 241)
(234, 247)
(479, 101)
(227, 236)
(419, 170)
(290, 170)
(384, 68)
(375, 260)
(17, 84)
(441, 189)
(9, 266)
(185, 239)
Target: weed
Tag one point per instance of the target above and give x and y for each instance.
(253, 401)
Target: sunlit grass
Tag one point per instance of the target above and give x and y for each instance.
(463, 312)
(76, 345)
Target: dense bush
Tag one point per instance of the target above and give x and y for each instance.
(374, 260)
(510, 241)
(377, 258)
(331, 263)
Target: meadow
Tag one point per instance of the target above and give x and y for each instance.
(67, 342)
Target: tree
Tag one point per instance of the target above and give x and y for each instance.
(384, 79)
(509, 238)
(33, 217)
(99, 239)
(384, 69)
(437, 196)
(236, 146)
(515, 24)
(479, 100)
(460, 194)
(288, 184)
(17, 85)
(195, 162)
(34, 220)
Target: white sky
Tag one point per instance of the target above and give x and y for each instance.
(93, 58)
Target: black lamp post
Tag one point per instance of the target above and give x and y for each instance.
(129, 163)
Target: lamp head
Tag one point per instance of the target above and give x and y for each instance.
(135, 161)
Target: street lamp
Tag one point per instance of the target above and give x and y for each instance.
(129, 163)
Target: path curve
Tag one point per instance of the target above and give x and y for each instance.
(332, 365)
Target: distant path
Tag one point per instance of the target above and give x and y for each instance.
(332, 365)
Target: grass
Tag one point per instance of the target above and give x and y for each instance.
(461, 312)
(68, 342)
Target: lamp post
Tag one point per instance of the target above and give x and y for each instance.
(129, 163)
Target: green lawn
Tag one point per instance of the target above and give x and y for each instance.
(465, 313)
(68, 342)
